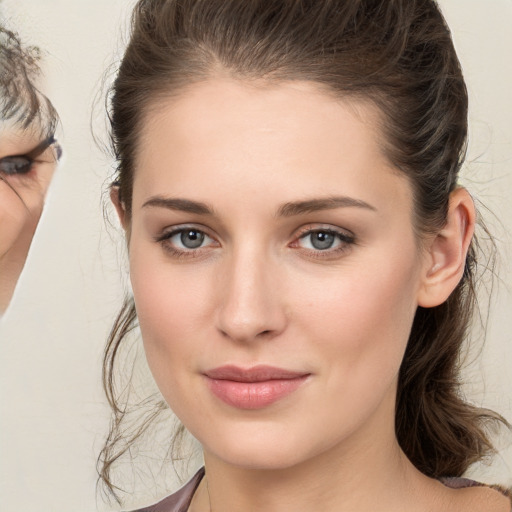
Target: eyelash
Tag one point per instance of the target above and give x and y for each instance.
(343, 238)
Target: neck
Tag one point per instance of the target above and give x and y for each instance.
(362, 473)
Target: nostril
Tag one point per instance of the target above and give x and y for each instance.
(263, 334)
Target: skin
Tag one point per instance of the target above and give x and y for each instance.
(21, 204)
(258, 292)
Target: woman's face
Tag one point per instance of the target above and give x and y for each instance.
(274, 267)
(27, 164)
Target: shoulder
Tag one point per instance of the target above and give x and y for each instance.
(491, 495)
(180, 500)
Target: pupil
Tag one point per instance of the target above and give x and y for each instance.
(322, 240)
(192, 239)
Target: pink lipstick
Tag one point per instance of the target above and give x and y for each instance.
(253, 388)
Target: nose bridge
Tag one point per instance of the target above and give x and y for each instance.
(250, 306)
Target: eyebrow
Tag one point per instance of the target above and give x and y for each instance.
(183, 205)
(327, 203)
(286, 210)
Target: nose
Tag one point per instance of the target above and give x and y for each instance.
(252, 306)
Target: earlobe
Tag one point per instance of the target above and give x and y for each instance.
(118, 204)
(446, 254)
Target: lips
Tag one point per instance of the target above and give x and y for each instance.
(253, 388)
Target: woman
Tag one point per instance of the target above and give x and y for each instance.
(301, 255)
(28, 156)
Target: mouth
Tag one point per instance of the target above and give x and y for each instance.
(253, 388)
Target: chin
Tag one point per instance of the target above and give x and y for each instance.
(264, 449)
(260, 458)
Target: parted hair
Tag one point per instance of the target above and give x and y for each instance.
(395, 54)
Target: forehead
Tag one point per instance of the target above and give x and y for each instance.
(215, 103)
(289, 138)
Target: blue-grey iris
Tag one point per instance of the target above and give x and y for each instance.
(322, 240)
(192, 239)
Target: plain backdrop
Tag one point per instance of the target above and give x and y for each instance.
(53, 413)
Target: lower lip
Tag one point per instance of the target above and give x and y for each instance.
(253, 395)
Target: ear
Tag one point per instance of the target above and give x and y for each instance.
(447, 251)
(119, 205)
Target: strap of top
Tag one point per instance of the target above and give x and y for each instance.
(459, 483)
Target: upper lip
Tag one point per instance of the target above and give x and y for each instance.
(260, 373)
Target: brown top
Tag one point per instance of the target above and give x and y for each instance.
(180, 500)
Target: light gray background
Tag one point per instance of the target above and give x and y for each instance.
(53, 413)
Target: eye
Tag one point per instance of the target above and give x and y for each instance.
(11, 165)
(185, 240)
(22, 164)
(320, 240)
(324, 240)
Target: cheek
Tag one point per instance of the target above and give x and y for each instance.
(31, 188)
(361, 318)
(13, 217)
(173, 309)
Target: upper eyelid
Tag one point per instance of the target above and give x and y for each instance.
(171, 231)
(305, 230)
(182, 227)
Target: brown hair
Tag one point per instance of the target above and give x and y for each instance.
(396, 54)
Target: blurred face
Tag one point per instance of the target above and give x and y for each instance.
(274, 267)
(27, 164)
